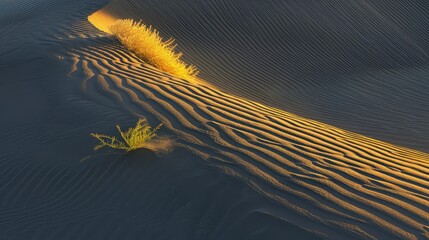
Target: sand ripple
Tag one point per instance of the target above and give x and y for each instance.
(244, 166)
(360, 66)
(347, 183)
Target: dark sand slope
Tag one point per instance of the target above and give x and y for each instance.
(361, 65)
(241, 170)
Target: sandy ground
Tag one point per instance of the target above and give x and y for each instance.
(303, 125)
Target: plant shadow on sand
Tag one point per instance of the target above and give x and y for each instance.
(142, 157)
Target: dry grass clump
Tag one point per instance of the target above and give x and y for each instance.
(147, 44)
(134, 138)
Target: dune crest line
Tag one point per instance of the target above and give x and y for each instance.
(328, 180)
(287, 54)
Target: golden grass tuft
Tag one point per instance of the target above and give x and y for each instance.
(134, 138)
(147, 44)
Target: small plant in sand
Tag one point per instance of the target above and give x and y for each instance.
(132, 139)
(147, 44)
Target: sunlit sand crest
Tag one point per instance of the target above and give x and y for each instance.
(239, 169)
(340, 173)
(102, 20)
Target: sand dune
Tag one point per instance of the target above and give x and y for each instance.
(315, 59)
(314, 170)
(244, 167)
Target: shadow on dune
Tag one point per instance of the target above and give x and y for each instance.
(228, 209)
(264, 169)
(136, 196)
(360, 66)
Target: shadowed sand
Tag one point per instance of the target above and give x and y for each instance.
(241, 169)
(360, 66)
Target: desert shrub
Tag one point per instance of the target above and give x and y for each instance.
(132, 139)
(145, 42)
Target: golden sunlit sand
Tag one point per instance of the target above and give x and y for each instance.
(224, 166)
(102, 20)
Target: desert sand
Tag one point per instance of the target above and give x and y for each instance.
(307, 121)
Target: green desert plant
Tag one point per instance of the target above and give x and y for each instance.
(132, 139)
(147, 44)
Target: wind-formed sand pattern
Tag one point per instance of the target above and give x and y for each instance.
(245, 166)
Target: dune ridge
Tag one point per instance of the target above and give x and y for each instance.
(316, 59)
(242, 168)
(350, 184)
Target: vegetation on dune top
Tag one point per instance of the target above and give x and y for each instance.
(132, 139)
(147, 44)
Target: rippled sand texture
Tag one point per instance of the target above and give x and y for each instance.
(242, 169)
(360, 65)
